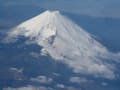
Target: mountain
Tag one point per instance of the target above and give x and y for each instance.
(68, 43)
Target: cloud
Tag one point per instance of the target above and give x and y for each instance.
(72, 88)
(60, 86)
(79, 80)
(91, 68)
(42, 79)
(104, 84)
(7, 73)
(17, 74)
(35, 54)
(56, 74)
(16, 70)
(29, 88)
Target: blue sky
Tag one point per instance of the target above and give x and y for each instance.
(97, 8)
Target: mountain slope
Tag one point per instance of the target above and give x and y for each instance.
(64, 41)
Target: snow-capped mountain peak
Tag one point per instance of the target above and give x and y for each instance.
(65, 41)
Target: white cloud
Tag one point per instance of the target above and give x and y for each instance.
(16, 70)
(60, 86)
(34, 54)
(72, 88)
(18, 73)
(42, 79)
(56, 74)
(79, 80)
(29, 88)
(97, 69)
(104, 84)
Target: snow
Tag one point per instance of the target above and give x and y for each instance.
(65, 41)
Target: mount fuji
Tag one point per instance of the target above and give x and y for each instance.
(68, 43)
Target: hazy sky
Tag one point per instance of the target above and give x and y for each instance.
(98, 8)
